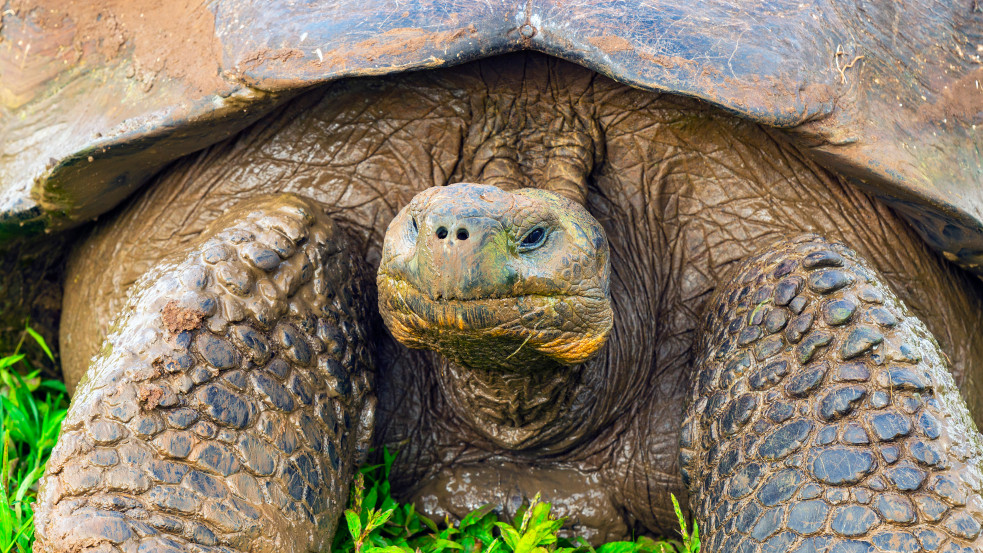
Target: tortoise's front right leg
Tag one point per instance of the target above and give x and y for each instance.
(824, 418)
(229, 406)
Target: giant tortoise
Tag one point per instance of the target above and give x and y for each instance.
(728, 250)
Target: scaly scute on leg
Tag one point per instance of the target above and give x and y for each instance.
(824, 417)
(231, 403)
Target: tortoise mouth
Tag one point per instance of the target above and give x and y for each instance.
(492, 300)
(509, 330)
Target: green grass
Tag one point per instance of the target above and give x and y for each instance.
(31, 411)
(376, 523)
(32, 408)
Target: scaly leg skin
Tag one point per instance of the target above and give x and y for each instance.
(231, 403)
(824, 417)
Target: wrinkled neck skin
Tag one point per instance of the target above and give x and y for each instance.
(547, 410)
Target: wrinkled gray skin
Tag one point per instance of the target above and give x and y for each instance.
(804, 426)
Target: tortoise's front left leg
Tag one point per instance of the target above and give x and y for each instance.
(824, 418)
(231, 401)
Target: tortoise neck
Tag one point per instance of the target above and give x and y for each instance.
(518, 410)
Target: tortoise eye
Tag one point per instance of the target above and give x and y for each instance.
(534, 238)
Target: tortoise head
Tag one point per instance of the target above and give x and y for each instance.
(494, 279)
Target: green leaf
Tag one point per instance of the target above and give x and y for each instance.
(618, 547)
(679, 516)
(37, 338)
(494, 546)
(442, 544)
(388, 549)
(53, 385)
(509, 535)
(377, 519)
(354, 523)
(10, 360)
(22, 531)
(582, 545)
(28, 481)
(475, 516)
(429, 524)
(527, 542)
(368, 502)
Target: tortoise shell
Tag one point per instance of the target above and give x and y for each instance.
(95, 99)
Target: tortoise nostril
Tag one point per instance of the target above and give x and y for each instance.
(462, 234)
(441, 233)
